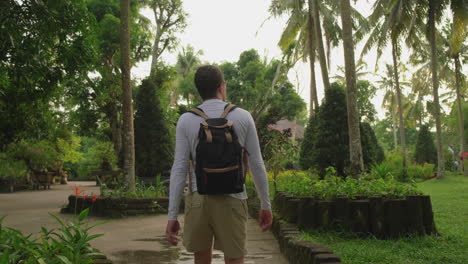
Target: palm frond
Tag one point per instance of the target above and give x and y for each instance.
(290, 33)
(460, 23)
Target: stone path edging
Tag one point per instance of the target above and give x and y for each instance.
(295, 250)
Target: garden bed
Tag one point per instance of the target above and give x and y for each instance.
(384, 218)
(117, 207)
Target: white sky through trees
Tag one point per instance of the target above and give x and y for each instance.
(223, 29)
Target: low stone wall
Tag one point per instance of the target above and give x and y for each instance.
(383, 218)
(295, 250)
(100, 259)
(117, 207)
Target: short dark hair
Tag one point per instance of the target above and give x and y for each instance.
(207, 79)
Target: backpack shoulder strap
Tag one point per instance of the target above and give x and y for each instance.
(199, 112)
(227, 109)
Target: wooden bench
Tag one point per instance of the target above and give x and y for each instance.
(43, 179)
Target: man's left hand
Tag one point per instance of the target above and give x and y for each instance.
(265, 219)
(172, 230)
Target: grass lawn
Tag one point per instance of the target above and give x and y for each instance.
(450, 205)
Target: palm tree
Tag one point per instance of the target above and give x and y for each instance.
(415, 107)
(312, 48)
(434, 14)
(435, 7)
(390, 102)
(329, 11)
(355, 149)
(299, 33)
(458, 36)
(361, 72)
(314, 8)
(330, 14)
(393, 19)
(187, 60)
(127, 106)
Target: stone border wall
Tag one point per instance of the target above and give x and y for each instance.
(117, 207)
(295, 250)
(383, 218)
(101, 259)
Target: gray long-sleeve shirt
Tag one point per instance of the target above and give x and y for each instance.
(186, 140)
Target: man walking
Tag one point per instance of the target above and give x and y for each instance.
(215, 204)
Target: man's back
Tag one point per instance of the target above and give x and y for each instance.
(244, 126)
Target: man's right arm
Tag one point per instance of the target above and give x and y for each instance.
(257, 165)
(179, 169)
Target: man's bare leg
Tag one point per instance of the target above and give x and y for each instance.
(203, 257)
(234, 261)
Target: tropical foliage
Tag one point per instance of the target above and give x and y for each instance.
(70, 243)
(65, 81)
(304, 184)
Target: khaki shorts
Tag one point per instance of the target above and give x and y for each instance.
(220, 219)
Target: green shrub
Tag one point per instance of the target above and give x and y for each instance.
(332, 186)
(425, 171)
(426, 151)
(381, 171)
(326, 137)
(96, 155)
(67, 149)
(428, 170)
(68, 244)
(38, 155)
(295, 182)
(141, 190)
(394, 162)
(277, 149)
(9, 167)
(43, 155)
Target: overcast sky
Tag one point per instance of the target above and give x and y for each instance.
(223, 29)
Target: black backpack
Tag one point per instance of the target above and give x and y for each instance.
(219, 167)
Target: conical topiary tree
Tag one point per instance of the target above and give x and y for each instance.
(152, 141)
(372, 152)
(425, 147)
(306, 155)
(325, 140)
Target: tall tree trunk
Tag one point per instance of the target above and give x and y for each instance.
(328, 52)
(355, 149)
(128, 131)
(461, 118)
(313, 84)
(116, 130)
(421, 110)
(155, 54)
(394, 128)
(435, 89)
(400, 105)
(319, 42)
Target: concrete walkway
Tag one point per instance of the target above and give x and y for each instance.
(139, 240)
